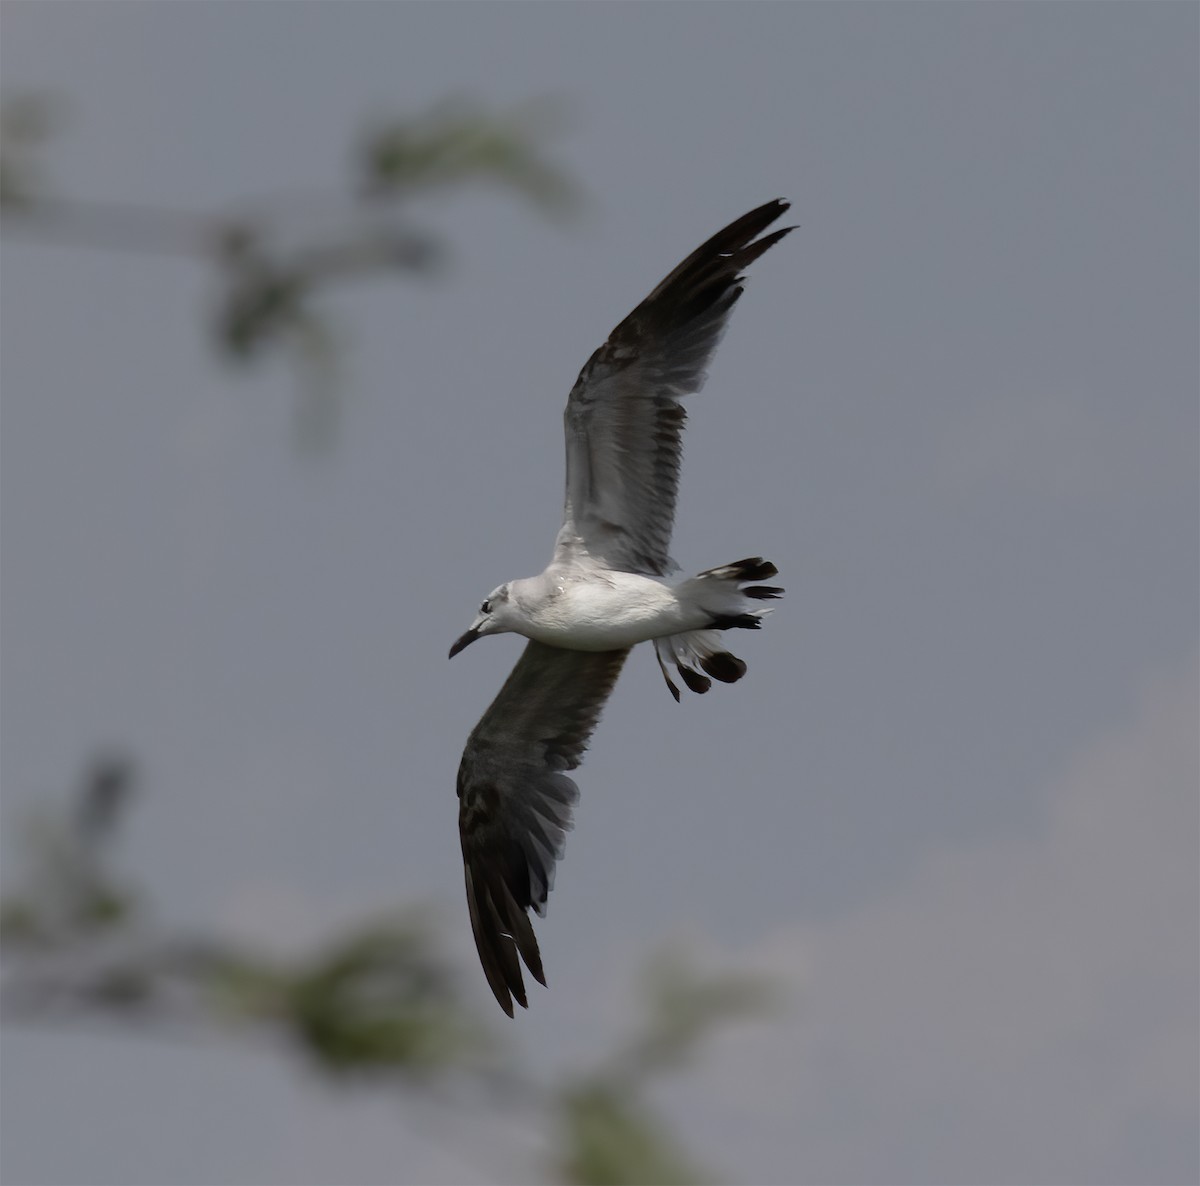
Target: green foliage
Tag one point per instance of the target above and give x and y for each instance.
(26, 122)
(272, 273)
(263, 300)
(609, 1131)
(457, 143)
(610, 1140)
(70, 892)
(18, 923)
(376, 1000)
(375, 1003)
(683, 1007)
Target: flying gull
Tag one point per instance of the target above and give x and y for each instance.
(609, 586)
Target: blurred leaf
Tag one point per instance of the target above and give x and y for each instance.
(26, 122)
(610, 1140)
(268, 294)
(29, 118)
(319, 401)
(259, 305)
(685, 1007)
(457, 142)
(106, 792)
(103, 907)
(379, 1001)
(121, 988)
(238, 986)
(378, 246)
(68, 887)
(611, 1133)
(19, 922)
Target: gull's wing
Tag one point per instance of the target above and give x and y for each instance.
(624, 418)
(515, 800)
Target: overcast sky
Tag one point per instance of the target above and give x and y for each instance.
(954, 803)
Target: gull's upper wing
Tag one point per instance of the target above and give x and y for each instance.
(624, 418)
(515, 800)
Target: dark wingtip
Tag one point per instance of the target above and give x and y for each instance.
(752, 251)
(750, 621)
(781, 206)
(725, 667)
(768, 212)
(496, 938)
(764, 592)
(710, 278)
(754, 568)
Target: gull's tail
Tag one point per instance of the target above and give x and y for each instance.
(729, 596)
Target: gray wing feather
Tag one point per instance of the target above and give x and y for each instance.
(515, 800)
(624, 421)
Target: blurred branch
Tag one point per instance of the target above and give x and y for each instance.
(683, 1008)
(270, 271)
(609, 1131)
(376, 1002)
(26, 122)
(377, 999)
(110, 226)
(609, 1137)
(453, 145)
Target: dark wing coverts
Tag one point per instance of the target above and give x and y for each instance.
(623, 417)
(515, 800)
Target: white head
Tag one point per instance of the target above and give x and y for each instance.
(492, 619)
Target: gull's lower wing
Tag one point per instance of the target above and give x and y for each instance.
(624, 419)
(515, 800)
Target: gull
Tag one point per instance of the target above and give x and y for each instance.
(609, 586)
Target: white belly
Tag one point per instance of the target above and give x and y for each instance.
(619, 612)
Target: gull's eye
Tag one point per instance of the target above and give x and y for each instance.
(486, 608)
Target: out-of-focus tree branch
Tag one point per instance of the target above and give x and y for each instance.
(375, 1002)
(608, 1127)
(80, 943)
(272, 269)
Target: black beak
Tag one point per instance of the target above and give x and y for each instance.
(464, 642)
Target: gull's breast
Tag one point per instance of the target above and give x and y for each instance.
(607, 613)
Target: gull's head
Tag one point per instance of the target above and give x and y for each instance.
(491, 619)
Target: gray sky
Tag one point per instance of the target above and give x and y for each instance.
(953, 805)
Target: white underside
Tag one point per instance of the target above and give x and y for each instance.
(604, 612)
